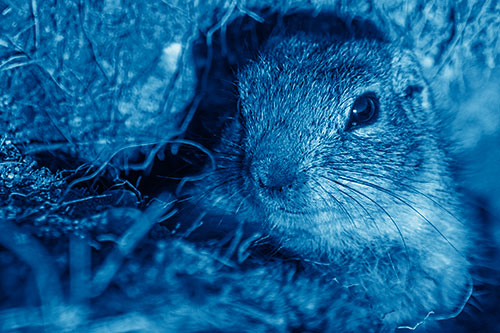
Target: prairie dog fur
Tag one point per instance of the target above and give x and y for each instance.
(336, 153)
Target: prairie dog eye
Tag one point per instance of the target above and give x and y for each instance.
(364, 110)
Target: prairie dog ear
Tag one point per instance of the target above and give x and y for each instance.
(411, 87)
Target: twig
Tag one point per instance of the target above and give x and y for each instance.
(81, 14)
(144, 221)
(103, 166)
(79, 264)
(34, 12)
(250, 13)
(66, 203)
(221, 23)
(412, 328)
(29, 250)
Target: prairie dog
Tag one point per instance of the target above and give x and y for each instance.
(336, 153)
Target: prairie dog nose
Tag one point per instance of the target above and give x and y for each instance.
(274, 175)
(276, 169)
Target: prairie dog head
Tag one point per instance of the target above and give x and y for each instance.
(335, 143)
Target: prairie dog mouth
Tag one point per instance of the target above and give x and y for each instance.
(295, 212)
(289, 207)
(305, 211)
